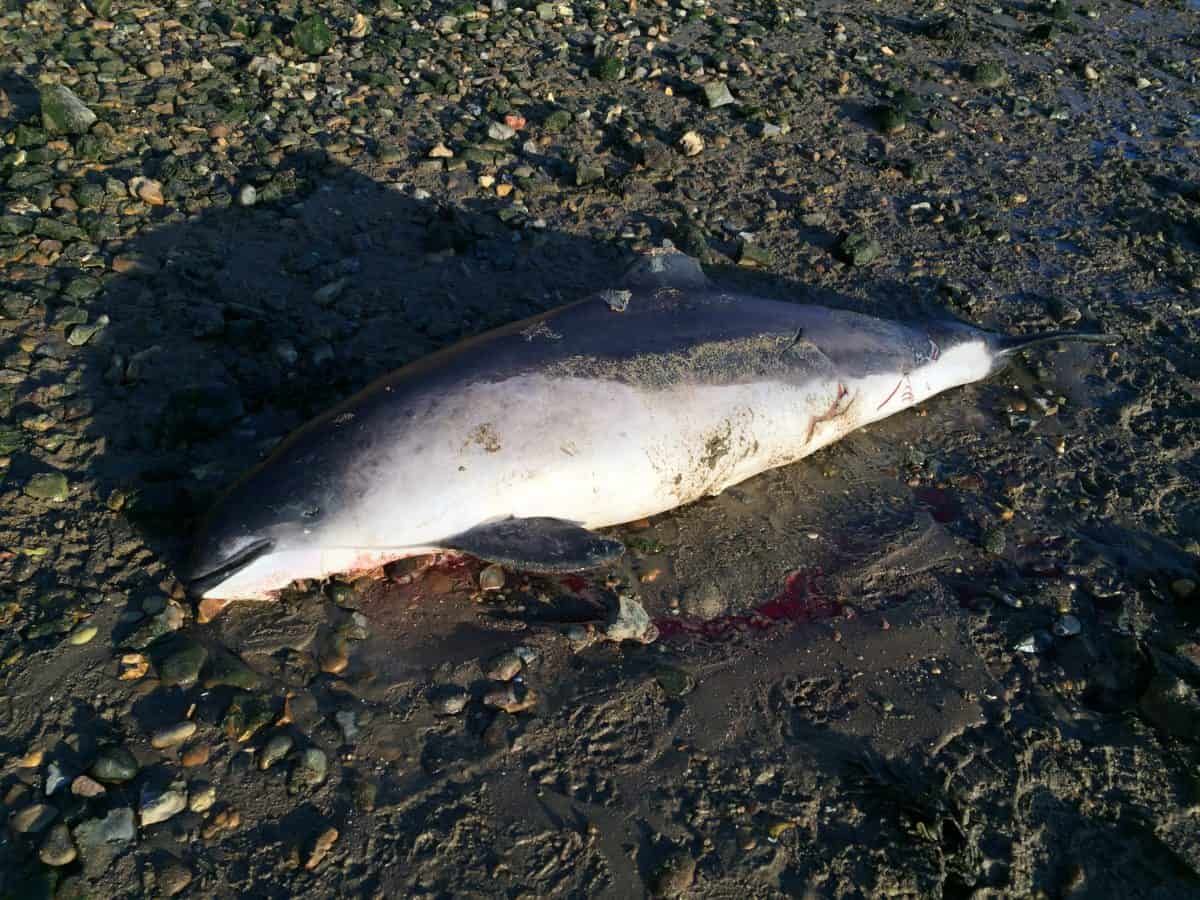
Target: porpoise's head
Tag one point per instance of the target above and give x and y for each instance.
(261, 535)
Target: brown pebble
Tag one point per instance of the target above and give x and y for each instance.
(86, 786)
(321, 847)
(31, 760)
(504, 667)
(147, 190)
(196, 755)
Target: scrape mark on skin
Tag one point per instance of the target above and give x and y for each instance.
(485, 436)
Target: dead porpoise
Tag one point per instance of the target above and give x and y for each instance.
(515, 445)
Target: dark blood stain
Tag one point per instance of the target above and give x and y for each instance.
(574, 583)
(800, 601)
(942, 504)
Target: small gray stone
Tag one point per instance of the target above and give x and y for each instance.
(501, 131)
(160, 805)
(717, 93)
(630, 622)
(55, 778)
(63, 112)
(309, 771)
(114, 765)
(248, 195)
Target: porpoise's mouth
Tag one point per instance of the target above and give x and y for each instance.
(203, 579)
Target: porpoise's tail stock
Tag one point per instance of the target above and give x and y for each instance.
(1008, 346)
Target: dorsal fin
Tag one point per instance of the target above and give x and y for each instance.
(665, 267)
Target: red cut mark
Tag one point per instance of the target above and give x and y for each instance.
(934, 350)
(906, 396)
(889, 397)
(800, 601)
(832, 413)
(942, 504)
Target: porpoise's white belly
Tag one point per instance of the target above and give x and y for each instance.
(595, 452)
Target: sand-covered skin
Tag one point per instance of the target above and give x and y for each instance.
(269, 210)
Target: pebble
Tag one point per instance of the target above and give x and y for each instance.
(58, 849)
(147, 190)
(630, 622)
(717, 94)
(82, 634)
(989, 75)
(114, 765)
(856, 248)
(441, 151)
(312, 35)
(51, 486)
(63, 112)
(491, 578)
(1067, 626)
(279, 746)
(154, 68)
(499, 131)
(512, 698)
(321, 846)
(32, 819)
(172, 735)
(196, 755)
(225, 820)
(201, 797)
(86, 787)
(504, 667)
(158, 806)
(1038, 642)
(691, 144)
(55, 779)
(450, 700)
(248, 195)
(182, 668)
(309, 771)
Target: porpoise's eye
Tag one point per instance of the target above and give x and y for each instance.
(311, 512)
